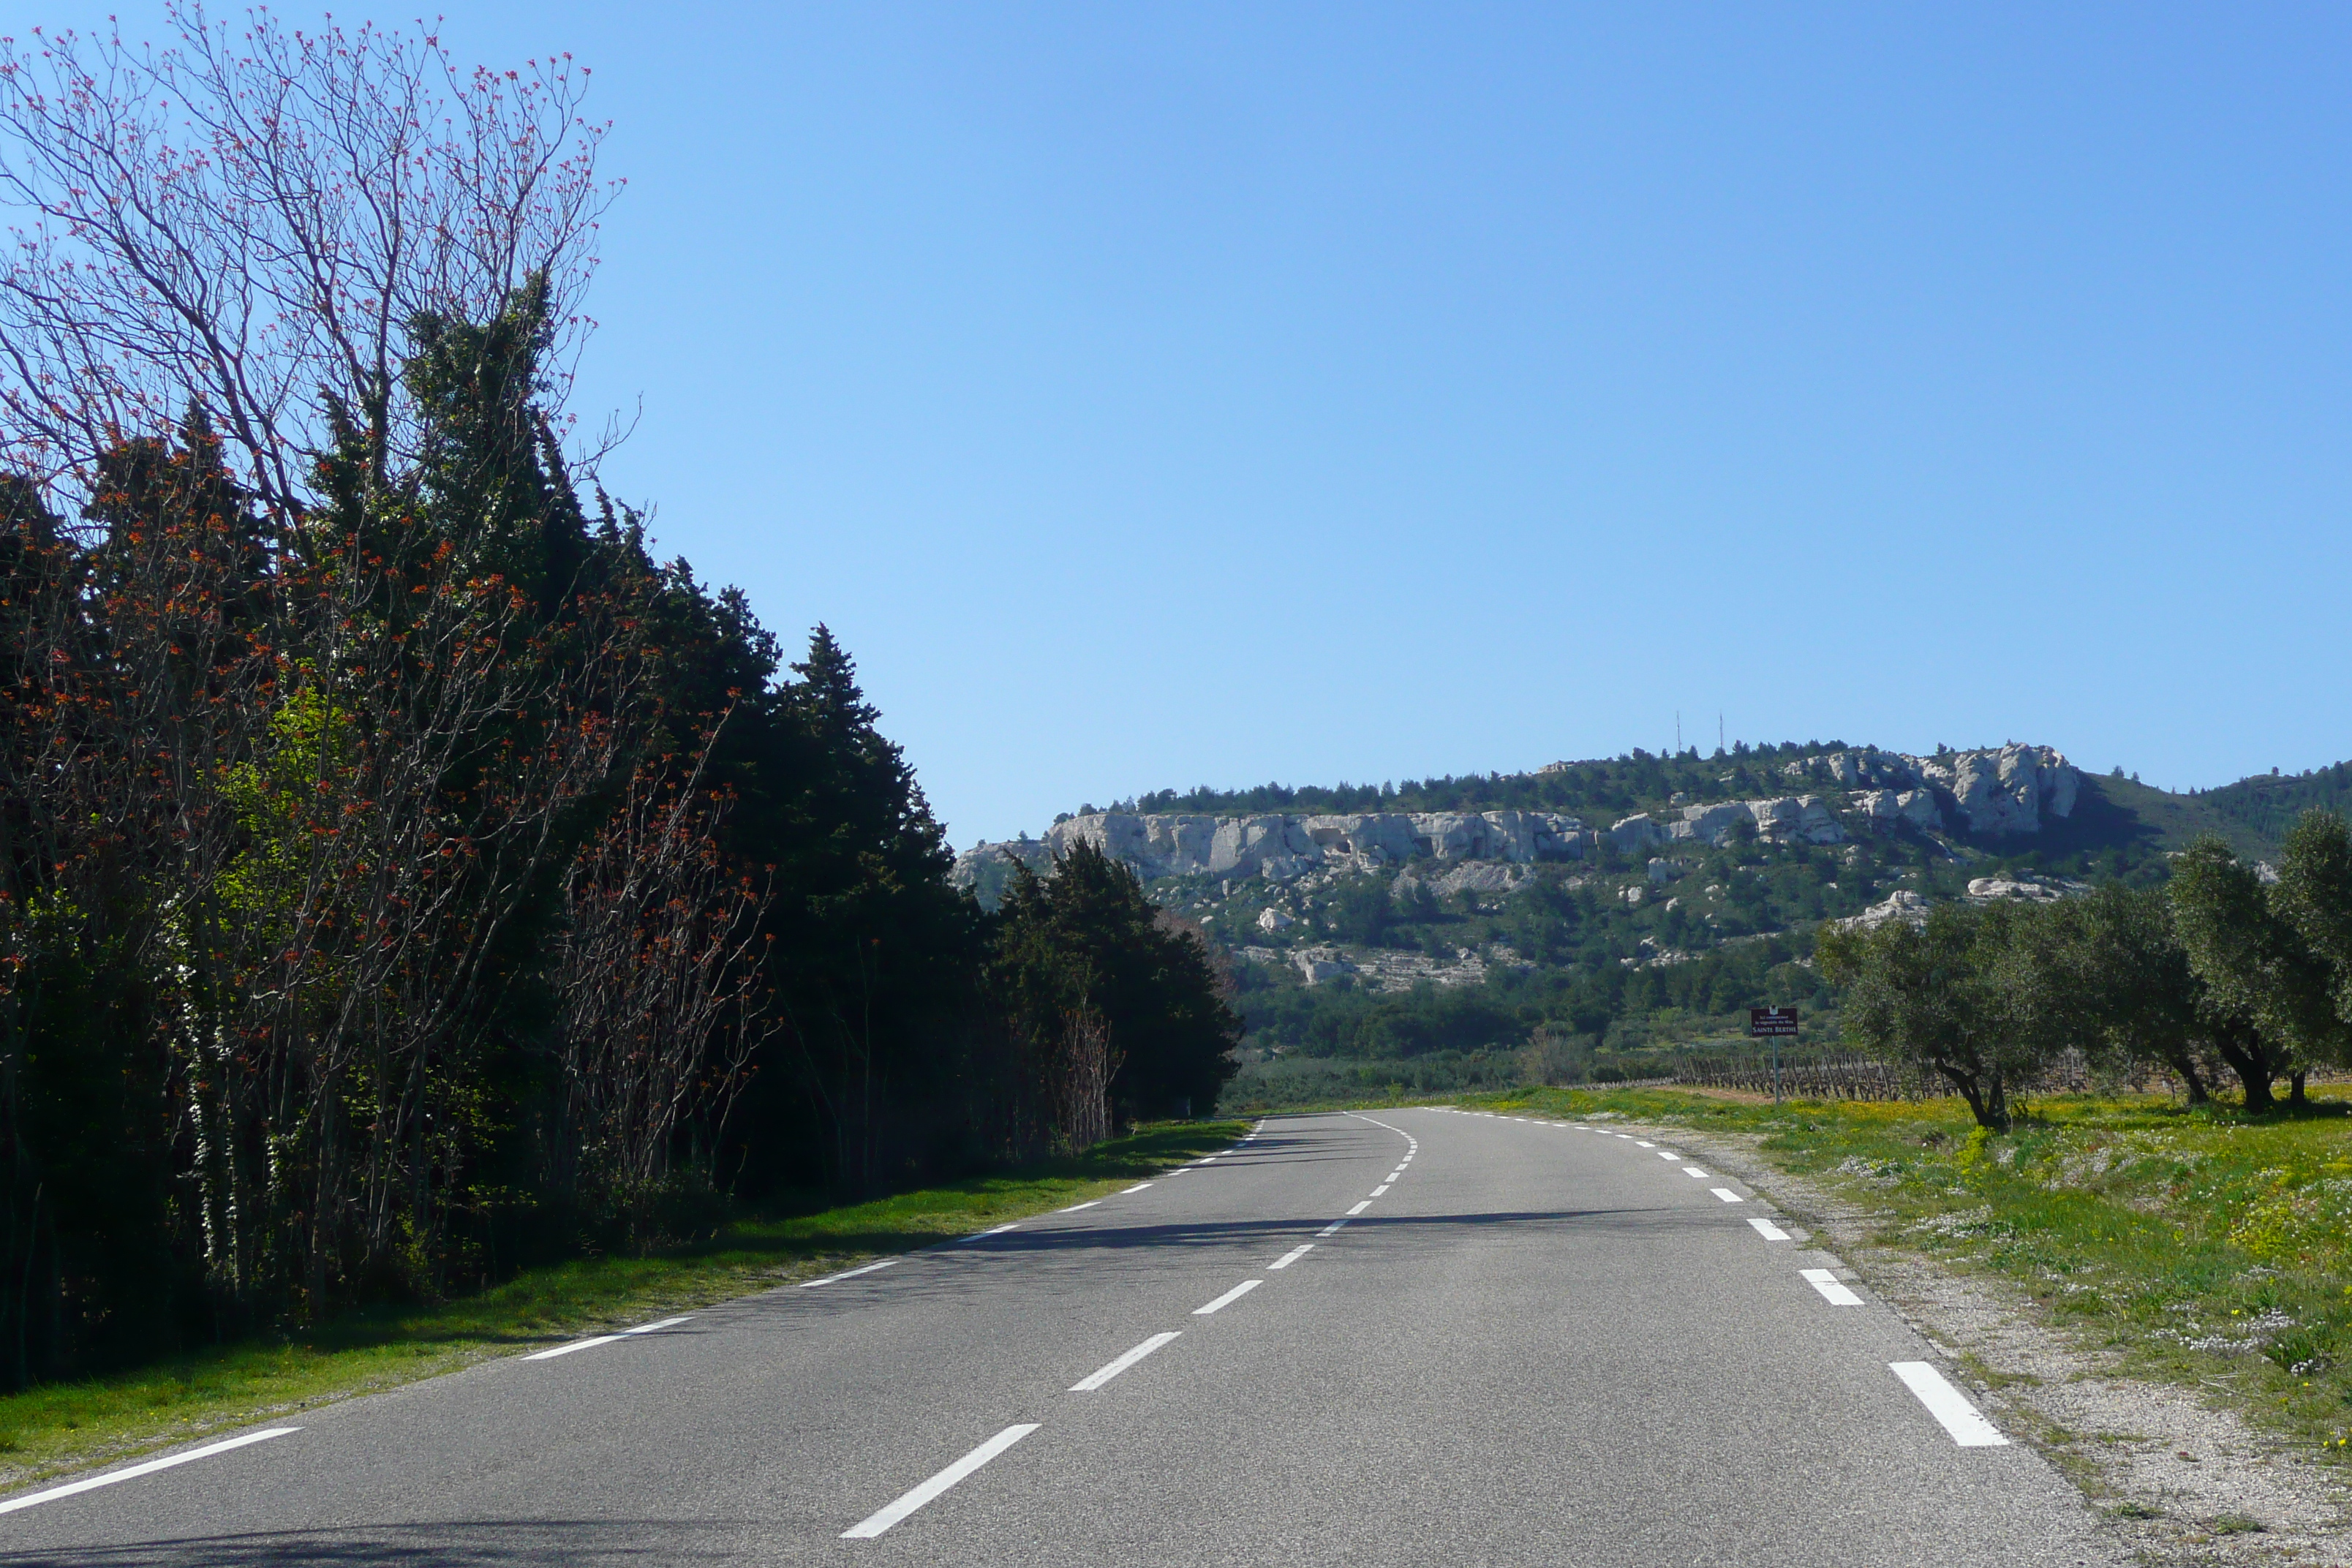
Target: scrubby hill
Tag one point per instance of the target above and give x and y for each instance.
(1590, 918)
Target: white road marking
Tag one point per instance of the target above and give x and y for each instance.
(149, 1469)
(1181, 1171)
(1137, 1188)
(848, 1273)
(1359, 1209)
(575, 1345)
(874, 1524)
(1668, 1154)
(998, 1230)
(1726, 1194)
(1293, 1255)
(1332, 1229)
(1395, 1173)
(1088, 1204)
(1768, 1230)
(1378, 1190)
(1833, 1292)
(1229, 1298)
(1627, 1136)
(1694, 1171)
(1947, 1404)
(625, 1333)
(1644, 1143)
(1111, 1368)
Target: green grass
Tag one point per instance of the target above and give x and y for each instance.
(63, 1427)
(2206, 1247)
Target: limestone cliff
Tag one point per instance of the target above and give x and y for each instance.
(1988, 793)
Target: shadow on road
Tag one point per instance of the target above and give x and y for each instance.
(506, 1542)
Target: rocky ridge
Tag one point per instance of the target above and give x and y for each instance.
(2000, 792)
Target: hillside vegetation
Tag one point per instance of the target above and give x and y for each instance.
(1606, 967)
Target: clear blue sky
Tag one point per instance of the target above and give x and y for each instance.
(1163, 395)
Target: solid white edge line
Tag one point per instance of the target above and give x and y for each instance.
(575, 1345)
(149, 1469)
(1832, 1288)
(1137, 1188)
(1768, 1230)
(1359, 1209)
(874, 1524)
(848, 1273)
(1949, 1406)
(1229, 1298)
(1726, 1194)
(1293, 1255)
(1112, 1368)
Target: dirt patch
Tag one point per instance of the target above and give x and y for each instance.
(2178, 1481)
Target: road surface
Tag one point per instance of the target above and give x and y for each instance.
(1412, 1337)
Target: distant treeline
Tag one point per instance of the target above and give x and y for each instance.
(1594, 788)
(404, 877)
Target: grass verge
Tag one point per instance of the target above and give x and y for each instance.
(63, 1426)
(2204, 1247)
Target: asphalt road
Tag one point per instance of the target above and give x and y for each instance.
(1531, 1344)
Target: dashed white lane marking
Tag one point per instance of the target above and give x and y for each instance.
(1137, 1188)
(1833, 1292)
(1627, 1136)
(1112, 1368)
(999, 1229)
(874, 1524)
(604, 1339)
(1768, 1230)
(1378, 1190)
(1332, 1229)
(848, 1273)
(1359, 1209)
(1293, 1255)
(1947, 1404)
(1694, 1171)
(1076, 1207)
(149, 1469)
(1397, 1172)
(1726, 1194)
(1644, 1143)
(1181, 1171)
(1228, 1299)
(1668, 1154)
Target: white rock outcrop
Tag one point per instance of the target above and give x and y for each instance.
(1783, 819)
(1991, 791)
(1902, 904)
(2006, 792)
(1283, 847)
(2029, 889)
